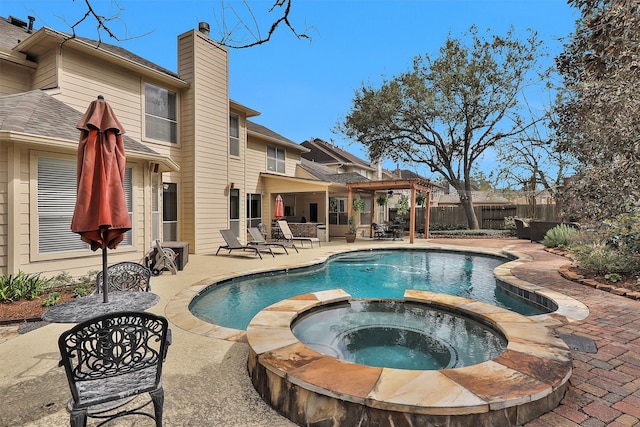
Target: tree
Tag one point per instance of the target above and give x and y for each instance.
(599, 111)
(446, 112)
(532, 163)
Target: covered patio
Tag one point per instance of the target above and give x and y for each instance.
(415, 185)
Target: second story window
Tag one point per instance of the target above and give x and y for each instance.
(275, 159)
(234, 135)
(160, 114)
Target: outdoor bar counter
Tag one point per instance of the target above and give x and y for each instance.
(299, 229)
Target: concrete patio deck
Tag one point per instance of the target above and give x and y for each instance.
(206, 381)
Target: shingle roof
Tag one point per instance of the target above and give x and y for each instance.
(11, 35)
(259, 129)
(325, 173)
(38, 113)
(324, 152)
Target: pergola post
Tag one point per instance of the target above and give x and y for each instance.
(427, 214)
(412, 215)
(413, 184)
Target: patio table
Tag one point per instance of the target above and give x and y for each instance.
(84, 308)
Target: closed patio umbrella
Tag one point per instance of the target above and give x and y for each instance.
(279, 210)
(100, 215)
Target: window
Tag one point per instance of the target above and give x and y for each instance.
(337, 211)
(365, 215)
(254, 210)
(234, 211)
(56, 192)
(160, 114)
(275, 159)
(234, 135)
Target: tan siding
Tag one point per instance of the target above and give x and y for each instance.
(4, 206)
(46, 76)
(15, 78)
(82, 81)
(186, 198)
(207, 73)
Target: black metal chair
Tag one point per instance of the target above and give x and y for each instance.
(126, 276)
(110, 360)
(378, 231)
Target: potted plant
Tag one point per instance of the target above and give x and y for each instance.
(353, 228)
(357, 206)
(382, 200)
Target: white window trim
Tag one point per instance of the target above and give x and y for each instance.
(34, 254)
(144, 115)
(276, 160)
(237, 139)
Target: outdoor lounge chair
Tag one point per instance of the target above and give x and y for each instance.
(110, 360)
(288, 235)
(258, 239)
(126, 276)
(233, 244)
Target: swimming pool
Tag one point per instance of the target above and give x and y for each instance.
(363, 274)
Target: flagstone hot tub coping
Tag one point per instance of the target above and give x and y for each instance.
(525, 381)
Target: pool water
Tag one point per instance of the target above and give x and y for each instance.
(364, 275)
(397, 334)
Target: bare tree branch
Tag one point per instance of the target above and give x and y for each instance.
(227, 37)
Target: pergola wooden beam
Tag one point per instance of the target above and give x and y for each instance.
(413, 184)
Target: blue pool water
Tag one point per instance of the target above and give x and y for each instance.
(370, 274)
(397, 334)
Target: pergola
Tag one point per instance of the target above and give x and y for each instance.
(414, 184)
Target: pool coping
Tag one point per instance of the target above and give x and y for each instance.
(569, 309)
(529, 378)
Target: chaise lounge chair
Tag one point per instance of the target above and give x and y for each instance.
(258, 239)
(233, 244)
(288, 235)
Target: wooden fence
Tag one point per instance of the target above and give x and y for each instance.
(489, 217)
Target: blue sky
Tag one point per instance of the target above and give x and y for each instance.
(301, 88)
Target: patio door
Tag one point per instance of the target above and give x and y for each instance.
(169, 211)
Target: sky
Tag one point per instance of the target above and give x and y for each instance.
(303, 88)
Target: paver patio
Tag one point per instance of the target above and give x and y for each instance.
(206, 381)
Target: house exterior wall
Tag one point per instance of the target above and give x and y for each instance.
(4, 204)
(205, 140)
(46, 75)
(15, 78)
(76, 75)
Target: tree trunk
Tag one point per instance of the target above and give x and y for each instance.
(467, 205)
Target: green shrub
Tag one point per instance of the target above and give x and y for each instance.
(561, 236)
(604, 259)
(52, 299)
(80, 291)
(623, 232)
(21, 286)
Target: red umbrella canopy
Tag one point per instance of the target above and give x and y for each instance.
(100, 215)
(279, 210)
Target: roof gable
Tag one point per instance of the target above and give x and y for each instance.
(38, 113)
(324, 152)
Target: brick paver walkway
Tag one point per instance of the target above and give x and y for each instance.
(605, 386)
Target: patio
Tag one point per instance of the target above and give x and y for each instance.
(206, 381)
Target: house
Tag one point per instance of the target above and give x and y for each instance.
(195, 162)
(328, 162)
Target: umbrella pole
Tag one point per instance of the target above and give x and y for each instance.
(105, 276)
